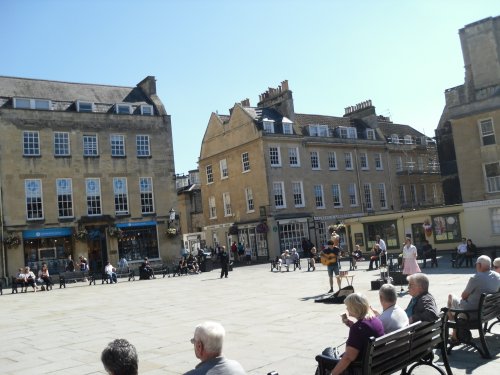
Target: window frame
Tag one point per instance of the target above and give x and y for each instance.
(268, 126)
(94, 200)
(226, 203)
(119, 106)
(298, 194)
(212, 208)
(352, 191)
(363, 161)
(143, 149)
(33, 104)
(332, 166)
(146, 195)
(224, 171)
(64, 193)
(490, 135)
(33, 198)
(490, 181)
(245, 162)
(65, 145)
(210, 174)
(337, 196)
(120, 195)
(315, 163)
(275, 159)
(368, 195)
(446, 228)
(379, 165)
(86, 144)
(296, 156)
(31, 144)
(382, 195)
(319, 198)
(279, 194)
(117, 143)
(348, 160)
(250, 203)
(79, 104)
(145, 108)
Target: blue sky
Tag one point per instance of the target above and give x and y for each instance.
(207, 55)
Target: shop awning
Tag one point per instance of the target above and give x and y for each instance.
(135, 224)
(47, 232)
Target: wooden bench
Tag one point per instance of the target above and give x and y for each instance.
(17, 283)
(128, 273)
(410, 346)
(68, 276)
(466, 320)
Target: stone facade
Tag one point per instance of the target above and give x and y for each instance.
(271, 177)
(71, 166)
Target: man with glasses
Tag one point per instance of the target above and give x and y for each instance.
(208, 339)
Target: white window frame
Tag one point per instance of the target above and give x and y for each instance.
(332, 161)
(395, 138)
(245, 162)
(62, 148)
(268, 126)
(379, 165)
(348, 161)
(492, 182)
(367, 195)
(337, 196)
(316, 130)
(120, 194)
(143, 145)
(226, 200)
(224, 172)
(33, 194)
(399, 164)
(287, 127)
(32, 143)
(382, 196)
(298, 194)
(117, 143)
(370, 134)
(275, 156)
(495, 220)
(488, 136)
(64, 192)
(212, 209)
(293, 155)
(123, 109)
(353, 195)
(352, 132)
(319, 198)
(210, 174)
(146, 195)
(90, 145)
(408, 140)
(147, 110)
(84, 107)
(39, 104)
(93, 196)
(363, 161)
(279, 194)
(249, 200)
(315, 164)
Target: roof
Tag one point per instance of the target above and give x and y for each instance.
(307, 119)
(67, 91)
(388, 129)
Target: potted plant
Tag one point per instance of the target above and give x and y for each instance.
(336, 228)
(12, 240)
(115, 232)
(81, 235)
(171, 232)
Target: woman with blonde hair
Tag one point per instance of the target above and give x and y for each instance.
(363, 325)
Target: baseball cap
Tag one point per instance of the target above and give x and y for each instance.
(485, 260)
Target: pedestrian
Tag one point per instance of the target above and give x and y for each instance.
(224, 262)
(120, 358)
(248, 254)
(70, 265)
(234, 251)
(470, 254)
(383, 250)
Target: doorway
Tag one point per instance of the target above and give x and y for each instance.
(98, 249)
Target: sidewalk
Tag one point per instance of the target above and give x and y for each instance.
(271, 320)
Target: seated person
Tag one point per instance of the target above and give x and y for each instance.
(277, 263)
(286, 258)
(356, 255)
(423, 305)
(30, 279)
(84, 265)
(426, 252)
(21, 278)
(192, 265)
(374, 257)
(182, 268)
(484, 281)
(110, 272)
(393, 317)
(296, 257)
(145, 270)
(44, 277)
(362, 325)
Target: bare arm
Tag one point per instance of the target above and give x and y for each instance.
(349, 356)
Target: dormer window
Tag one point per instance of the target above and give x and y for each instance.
(318, 130)
(84, 106)
(287, 126)
(408, 140)
(395, 138)
(347, 132)
(24, 103)
(370, 134)
(146, 110)
(123, 109)
(268, 125)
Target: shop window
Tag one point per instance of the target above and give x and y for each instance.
(387, 230)
(446, 228)
(138, 242)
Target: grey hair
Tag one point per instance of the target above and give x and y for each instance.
(211, 334)
(388, 293)
(120, 358)
(421, 280)
(496, 262)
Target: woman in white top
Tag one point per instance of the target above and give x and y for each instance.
(410, 265)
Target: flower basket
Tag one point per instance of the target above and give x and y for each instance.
(12, 241)
(262, 228)
(337, 228)
(115, 232)
(427, 228)
(171, 232)
(81, 235)
(233, 230)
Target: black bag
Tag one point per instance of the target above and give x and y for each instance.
(331, 352)
(338, 297)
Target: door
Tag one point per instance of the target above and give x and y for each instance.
(98, 249)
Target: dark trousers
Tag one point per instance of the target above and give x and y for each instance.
(373, 259)
(224, 270)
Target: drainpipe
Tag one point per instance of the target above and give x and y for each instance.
(4, 268)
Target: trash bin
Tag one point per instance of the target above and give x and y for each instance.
(206, 265)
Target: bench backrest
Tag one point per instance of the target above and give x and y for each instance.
(489, 306)
(396, 350)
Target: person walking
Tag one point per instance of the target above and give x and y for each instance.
(224, 262)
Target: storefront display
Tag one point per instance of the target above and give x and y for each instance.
(138, 240)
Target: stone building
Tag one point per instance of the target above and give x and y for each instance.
(469, 130)
(274, 179)
(85, 169)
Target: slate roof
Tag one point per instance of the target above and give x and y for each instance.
(401, 130)
(306, 119)
(69, 92)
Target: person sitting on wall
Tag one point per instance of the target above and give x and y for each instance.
(145, 270)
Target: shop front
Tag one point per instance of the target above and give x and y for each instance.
(49, 245)
(138, 240)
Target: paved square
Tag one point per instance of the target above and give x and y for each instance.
(271, 320)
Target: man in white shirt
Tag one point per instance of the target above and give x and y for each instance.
(461, 250)
(383, 250)
(111, 273)
(393, 316)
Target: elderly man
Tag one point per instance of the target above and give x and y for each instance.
(120, 358)
(422, 306)
(208, 339)
(496, 265)
(393, 317)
